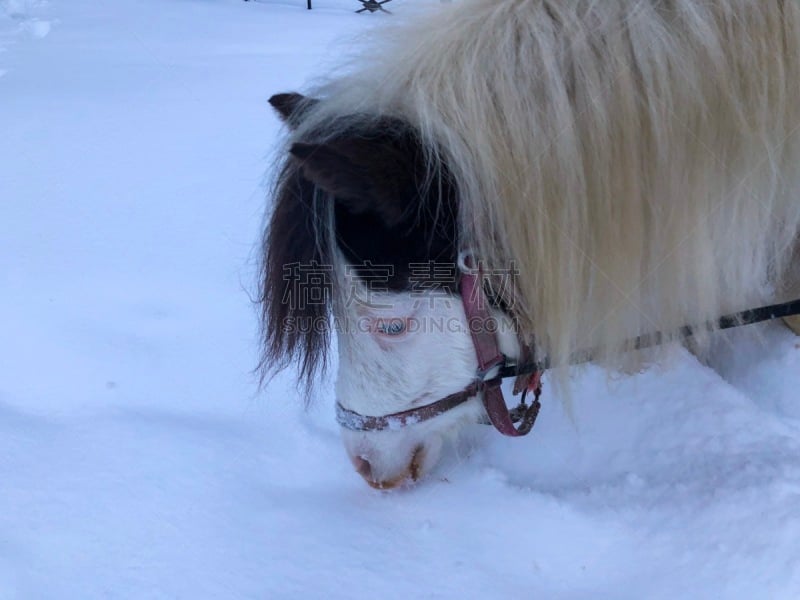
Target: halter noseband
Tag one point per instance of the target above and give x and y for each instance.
(490, 362)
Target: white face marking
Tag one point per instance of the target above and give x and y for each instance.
(399, 351)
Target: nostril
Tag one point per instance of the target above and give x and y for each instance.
(363, 467)
(415, 467)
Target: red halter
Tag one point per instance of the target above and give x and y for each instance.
(490, 362)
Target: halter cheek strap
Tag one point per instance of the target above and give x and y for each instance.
(482, 327)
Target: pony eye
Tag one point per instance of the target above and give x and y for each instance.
(391, 327)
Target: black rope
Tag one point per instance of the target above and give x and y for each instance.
(745, 317)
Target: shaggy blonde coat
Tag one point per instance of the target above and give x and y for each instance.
(637, 161)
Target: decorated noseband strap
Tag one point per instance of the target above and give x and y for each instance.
(357, 422)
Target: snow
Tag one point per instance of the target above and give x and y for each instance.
(138, 459)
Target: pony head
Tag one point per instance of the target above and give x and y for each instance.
(364, 241)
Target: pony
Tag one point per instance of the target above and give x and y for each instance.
(609, 168)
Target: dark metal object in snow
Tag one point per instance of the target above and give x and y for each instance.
(372, 6)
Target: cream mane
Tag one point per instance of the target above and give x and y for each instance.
(637, 161)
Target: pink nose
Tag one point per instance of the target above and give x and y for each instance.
(412, 472)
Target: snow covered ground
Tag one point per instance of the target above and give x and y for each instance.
(138, 460)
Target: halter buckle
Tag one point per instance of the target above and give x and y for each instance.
(464, 262)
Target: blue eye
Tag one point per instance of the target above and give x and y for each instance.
(392, 327)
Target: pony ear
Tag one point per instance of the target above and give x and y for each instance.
(363, 174)
(291, 106)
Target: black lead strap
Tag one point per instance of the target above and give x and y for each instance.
(648, 340)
